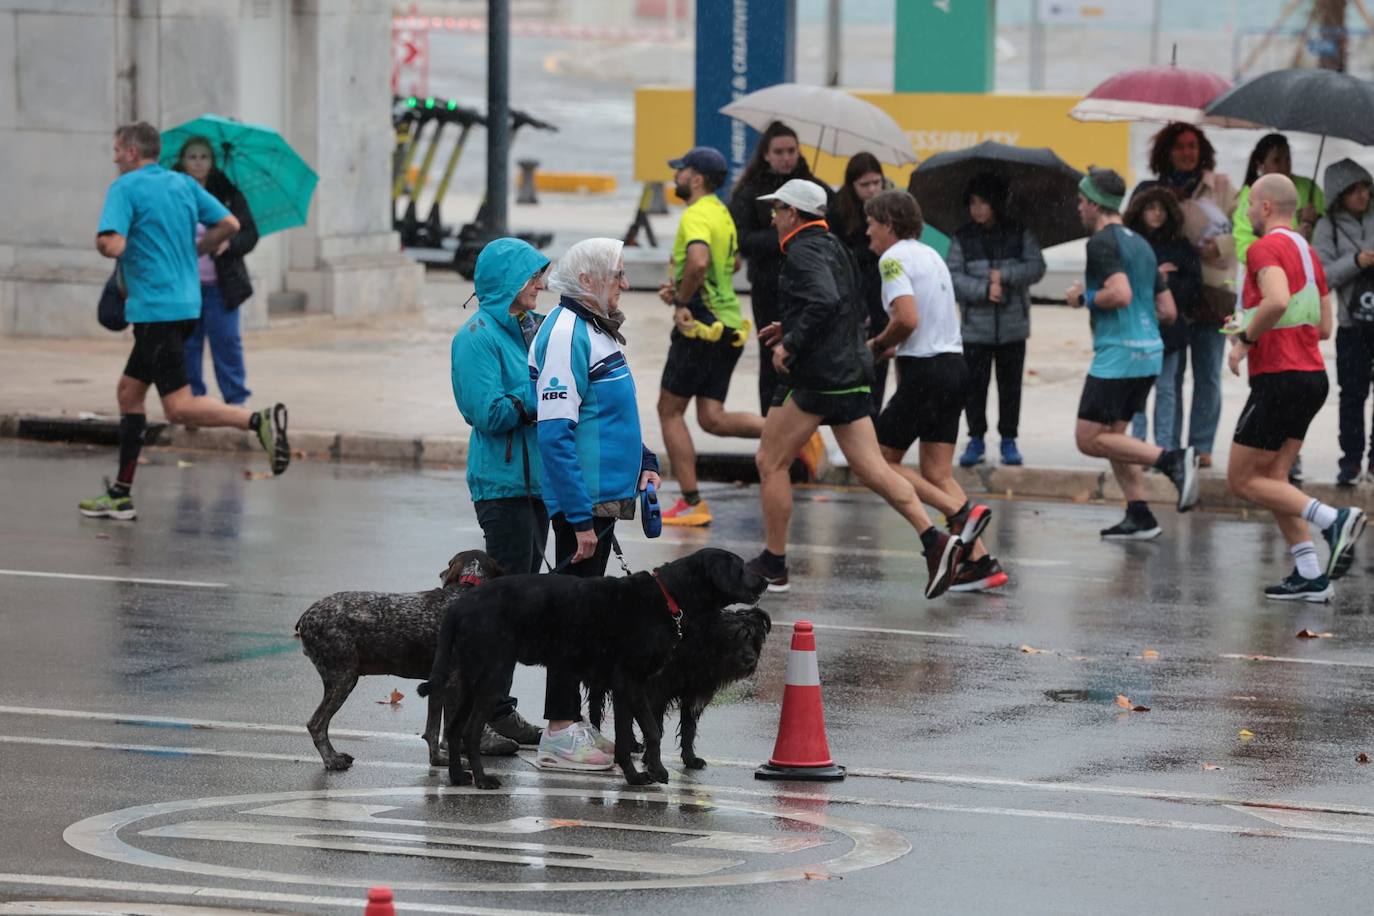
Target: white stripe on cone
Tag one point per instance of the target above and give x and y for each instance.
(802, 670)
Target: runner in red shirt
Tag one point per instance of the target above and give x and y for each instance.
(1287, 311)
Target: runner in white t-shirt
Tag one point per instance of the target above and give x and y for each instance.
(932, 379)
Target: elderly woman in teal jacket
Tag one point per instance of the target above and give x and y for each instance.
(491, 383)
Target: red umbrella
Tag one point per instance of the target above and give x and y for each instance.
(1170, 93)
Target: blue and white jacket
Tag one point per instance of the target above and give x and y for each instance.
(590, 442)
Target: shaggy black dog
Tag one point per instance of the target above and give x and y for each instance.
(613, 631)
(714, 653)
(350, 634)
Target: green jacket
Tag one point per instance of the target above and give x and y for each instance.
(1244, 233)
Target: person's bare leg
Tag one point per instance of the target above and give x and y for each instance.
(682, 454)
(937, 466)
(931, 493)
(1113, 443)
(784, 430)
(182, 407)
(718, 421)
(1261, 477)
(131, 395)
(859, 443)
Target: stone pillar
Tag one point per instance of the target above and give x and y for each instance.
(72, 70)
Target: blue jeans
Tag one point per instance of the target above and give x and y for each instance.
(221, 326)
(1207, 348)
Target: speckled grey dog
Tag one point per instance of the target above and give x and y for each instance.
(349, 634)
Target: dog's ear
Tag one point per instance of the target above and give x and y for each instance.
(760, 614)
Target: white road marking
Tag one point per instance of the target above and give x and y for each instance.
(1327, 662)
(254, 896)
(194, 724)
(135, 580)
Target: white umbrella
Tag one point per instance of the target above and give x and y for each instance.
(828, 120)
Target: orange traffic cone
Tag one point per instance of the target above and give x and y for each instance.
(379, 902)
(801, 751)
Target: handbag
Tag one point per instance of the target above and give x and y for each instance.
(109, 311)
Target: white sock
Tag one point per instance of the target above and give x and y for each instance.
(1305, 554)
(1320, 514)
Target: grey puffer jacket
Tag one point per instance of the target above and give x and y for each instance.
(973, 253)
(1340, 235)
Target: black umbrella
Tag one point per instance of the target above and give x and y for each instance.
(1312, 101)
(1043, 189)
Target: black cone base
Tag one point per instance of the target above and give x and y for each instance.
(802, 774)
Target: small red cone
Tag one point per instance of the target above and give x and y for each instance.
(801, 751)
(379, 902)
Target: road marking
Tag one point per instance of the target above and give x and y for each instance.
(135, 580)
(1311, 820)
(1192, 798)
(869, 844)
(255, 896)
(1328, 662)
(927, 634)
(194, 724)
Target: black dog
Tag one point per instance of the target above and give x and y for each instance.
(350, 634)
(714, 652)
(613, 631)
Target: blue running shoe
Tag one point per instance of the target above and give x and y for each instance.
(1341, 536)
(1010, 453)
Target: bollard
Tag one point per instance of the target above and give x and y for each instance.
(379, 902)
(658, 204)
(525, 194)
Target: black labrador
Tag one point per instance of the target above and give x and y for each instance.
(614, 631)
(349, 634)
(714, 653)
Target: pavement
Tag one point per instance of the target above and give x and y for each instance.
(153, 706)
(379, 390)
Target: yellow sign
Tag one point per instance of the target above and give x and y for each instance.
(936, 123)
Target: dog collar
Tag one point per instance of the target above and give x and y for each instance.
(673, 608)
(472, 581)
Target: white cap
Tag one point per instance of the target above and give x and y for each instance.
(800, 193)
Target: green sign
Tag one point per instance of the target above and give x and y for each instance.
(945, 46)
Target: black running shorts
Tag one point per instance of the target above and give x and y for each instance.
(1280, 407)
(834, 408)
(1113, 400)
(159, 356)
(700, 368)
(930, 397)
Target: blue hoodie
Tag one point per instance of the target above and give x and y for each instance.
(490, 374)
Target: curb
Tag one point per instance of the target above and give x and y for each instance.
(1079, 485)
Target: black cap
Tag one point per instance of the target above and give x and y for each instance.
(704, 159)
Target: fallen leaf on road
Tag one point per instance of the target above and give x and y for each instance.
(1245, 734)
(257, 475)
(102, 537)
(181, 463)
(1210, 766)
(1031, 650)
(1123, 702)
(393, 700)
(1308, 634)
(1150, 653)
(1361, 757)
(822, 876)
(564, 822)
(1140, 709)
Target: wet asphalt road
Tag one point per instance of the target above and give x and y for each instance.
(983, 778)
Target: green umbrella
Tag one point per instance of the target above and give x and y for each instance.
(274, 180)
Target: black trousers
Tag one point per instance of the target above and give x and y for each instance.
(562, 690)
(515, 531)
(1354, 374)
(1010, 360)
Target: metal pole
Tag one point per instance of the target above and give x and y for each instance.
(832, 43)
(1037, 48)
(1154, 32)
(498, 116)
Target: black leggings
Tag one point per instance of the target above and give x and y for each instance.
(563, 691)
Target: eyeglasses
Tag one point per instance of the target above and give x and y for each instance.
(778, 208)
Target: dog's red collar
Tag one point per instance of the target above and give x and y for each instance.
(673, 607)
(473, 581)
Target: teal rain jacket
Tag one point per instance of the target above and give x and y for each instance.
(491, 376)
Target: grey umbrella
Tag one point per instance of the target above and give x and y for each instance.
(1043, 189)
(1311, 101)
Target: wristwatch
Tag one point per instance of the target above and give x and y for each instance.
(1245, 336)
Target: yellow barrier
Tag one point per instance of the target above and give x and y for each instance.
(936, 123)
(575, 182)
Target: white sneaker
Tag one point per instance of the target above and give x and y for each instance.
(574, 748)
(603, 744)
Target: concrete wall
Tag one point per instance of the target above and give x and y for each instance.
(71, 70)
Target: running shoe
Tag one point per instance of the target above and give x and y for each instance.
(1296, 588)
(971, 523)
(1183, 472)
(1341, 536)
(1133, 528)
(574, 748)
(272, 435)
(973, 453)
(513, 726)
(603, 744)
(942, 562)
(1011, 455)
(108, 506)
(980, 575)
(688, 516)
(495, 745)
(777, 580)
